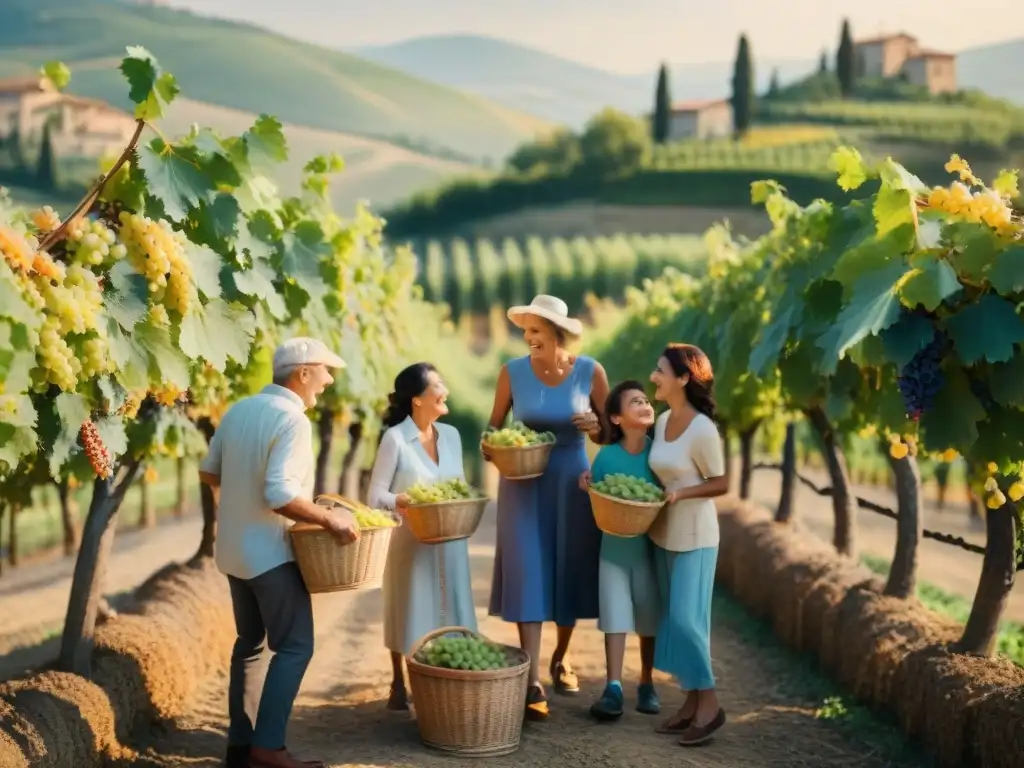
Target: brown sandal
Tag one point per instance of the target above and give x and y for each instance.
(536, 704)
(564, 679)
(696, 735)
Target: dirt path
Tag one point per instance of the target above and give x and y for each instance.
(952, 569)
(340, 716)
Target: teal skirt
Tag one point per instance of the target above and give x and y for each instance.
(686, 581)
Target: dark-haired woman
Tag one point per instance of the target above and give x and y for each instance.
(426, 586)
(687, 457)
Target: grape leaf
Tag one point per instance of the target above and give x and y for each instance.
(893, 208)
(15, 443)
(1001, 438)
(797, 369)
(206, 267)
(217, 332)
(906, 337)
(167, 363)
(773, 337)
(12, 302)
(872, 308)
(126, 295)
(953, 419)
(849, 165)
(986, 330)
(1006, 382)
(174, 177)
(1007, 271)
(218, 220)
(974, 247)
(1005, 184)
(931, 282)
(150, 89)
(258, 283)
(131, 359)
(57, 72)
(72, 410)
(15, 365)
(265, 144)
(301, 254)
(112, 433)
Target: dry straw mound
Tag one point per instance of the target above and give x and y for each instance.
(891, 653)
(146, 667)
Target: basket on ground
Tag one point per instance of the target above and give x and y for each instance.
(520, 462)
(620, 517)
(445, 520)
(327, 565)
(465, 712)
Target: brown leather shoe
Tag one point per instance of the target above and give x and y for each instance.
(564, 679)
(280, 758)
(696, 735)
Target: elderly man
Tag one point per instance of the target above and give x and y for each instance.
(261, 467)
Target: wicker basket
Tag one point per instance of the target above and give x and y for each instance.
(329, 566)
(469, 714)
(619, 517)
(516, 463)
(445, 520)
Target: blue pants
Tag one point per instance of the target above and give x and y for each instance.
(276, 607)
(683, 648)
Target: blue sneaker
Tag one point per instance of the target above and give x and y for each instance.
(609, 706)
(647, 700)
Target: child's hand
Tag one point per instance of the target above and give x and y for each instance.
(585, 479)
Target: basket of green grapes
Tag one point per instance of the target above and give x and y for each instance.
(327, 565)
(518, 452)
(470, 692)
(624, 505)
(444, 511)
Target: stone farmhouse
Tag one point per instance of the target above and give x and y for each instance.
(80, 128)
(899, 55)
(705, 119)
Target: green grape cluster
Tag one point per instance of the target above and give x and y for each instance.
(629, 488)
(470, 653)
(516, 436)
(373, 518)
(447, 490)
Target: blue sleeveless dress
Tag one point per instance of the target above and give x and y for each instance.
(548, 548)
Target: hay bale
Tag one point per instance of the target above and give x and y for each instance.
(790, 590)
(758, 543)
(147, 666)
(998, 733)
(825, 594)
(946, 689)
(878, 632)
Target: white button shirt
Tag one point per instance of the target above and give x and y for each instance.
(263, 453)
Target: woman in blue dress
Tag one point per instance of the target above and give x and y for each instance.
(548, 548)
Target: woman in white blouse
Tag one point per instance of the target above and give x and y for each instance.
(687, 457)
(416, 448)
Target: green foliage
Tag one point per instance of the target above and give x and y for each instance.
(510, 273)
(662, 108)
(165, 304)
(614, 144)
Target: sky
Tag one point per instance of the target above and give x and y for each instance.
(632, 36)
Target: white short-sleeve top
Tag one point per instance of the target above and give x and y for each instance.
(693, 457)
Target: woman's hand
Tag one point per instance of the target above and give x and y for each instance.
(402, 501)
(585, 479)
(587, 422)
(484, 452)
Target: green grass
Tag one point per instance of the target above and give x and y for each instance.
(798, 678)
(254, 70)
(1010, 641)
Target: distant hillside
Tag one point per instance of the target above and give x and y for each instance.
(557, 89)
(995, 69)
(523, 78)
(254, 70)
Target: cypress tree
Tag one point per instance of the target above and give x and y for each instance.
(662, 108)
(773, 84)
(742, 88)
(46, 169)
(844, 60)
(823, 63)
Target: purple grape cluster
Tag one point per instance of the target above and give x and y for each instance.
(921, 378)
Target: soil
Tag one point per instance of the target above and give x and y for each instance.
(340, 715)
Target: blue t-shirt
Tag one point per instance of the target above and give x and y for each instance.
(616, 460)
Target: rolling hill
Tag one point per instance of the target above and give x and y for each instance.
(243, 67)
(520, 77)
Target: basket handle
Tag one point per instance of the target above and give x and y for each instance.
(418, 645)
(352, 506)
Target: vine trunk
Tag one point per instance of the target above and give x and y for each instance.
(844, 504)
(747, 458)
(784, 512)
(902, 581)
(998, 573)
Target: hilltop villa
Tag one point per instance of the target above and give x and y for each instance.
(899, 55)
(700, 119)
(81, 128)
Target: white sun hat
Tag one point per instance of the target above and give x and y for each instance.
(552, 309)
(304, 351)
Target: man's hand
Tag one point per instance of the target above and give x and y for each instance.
(342, 525)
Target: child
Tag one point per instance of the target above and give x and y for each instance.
(627, 584)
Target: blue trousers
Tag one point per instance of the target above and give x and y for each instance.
(683, 647)
(274, 606)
